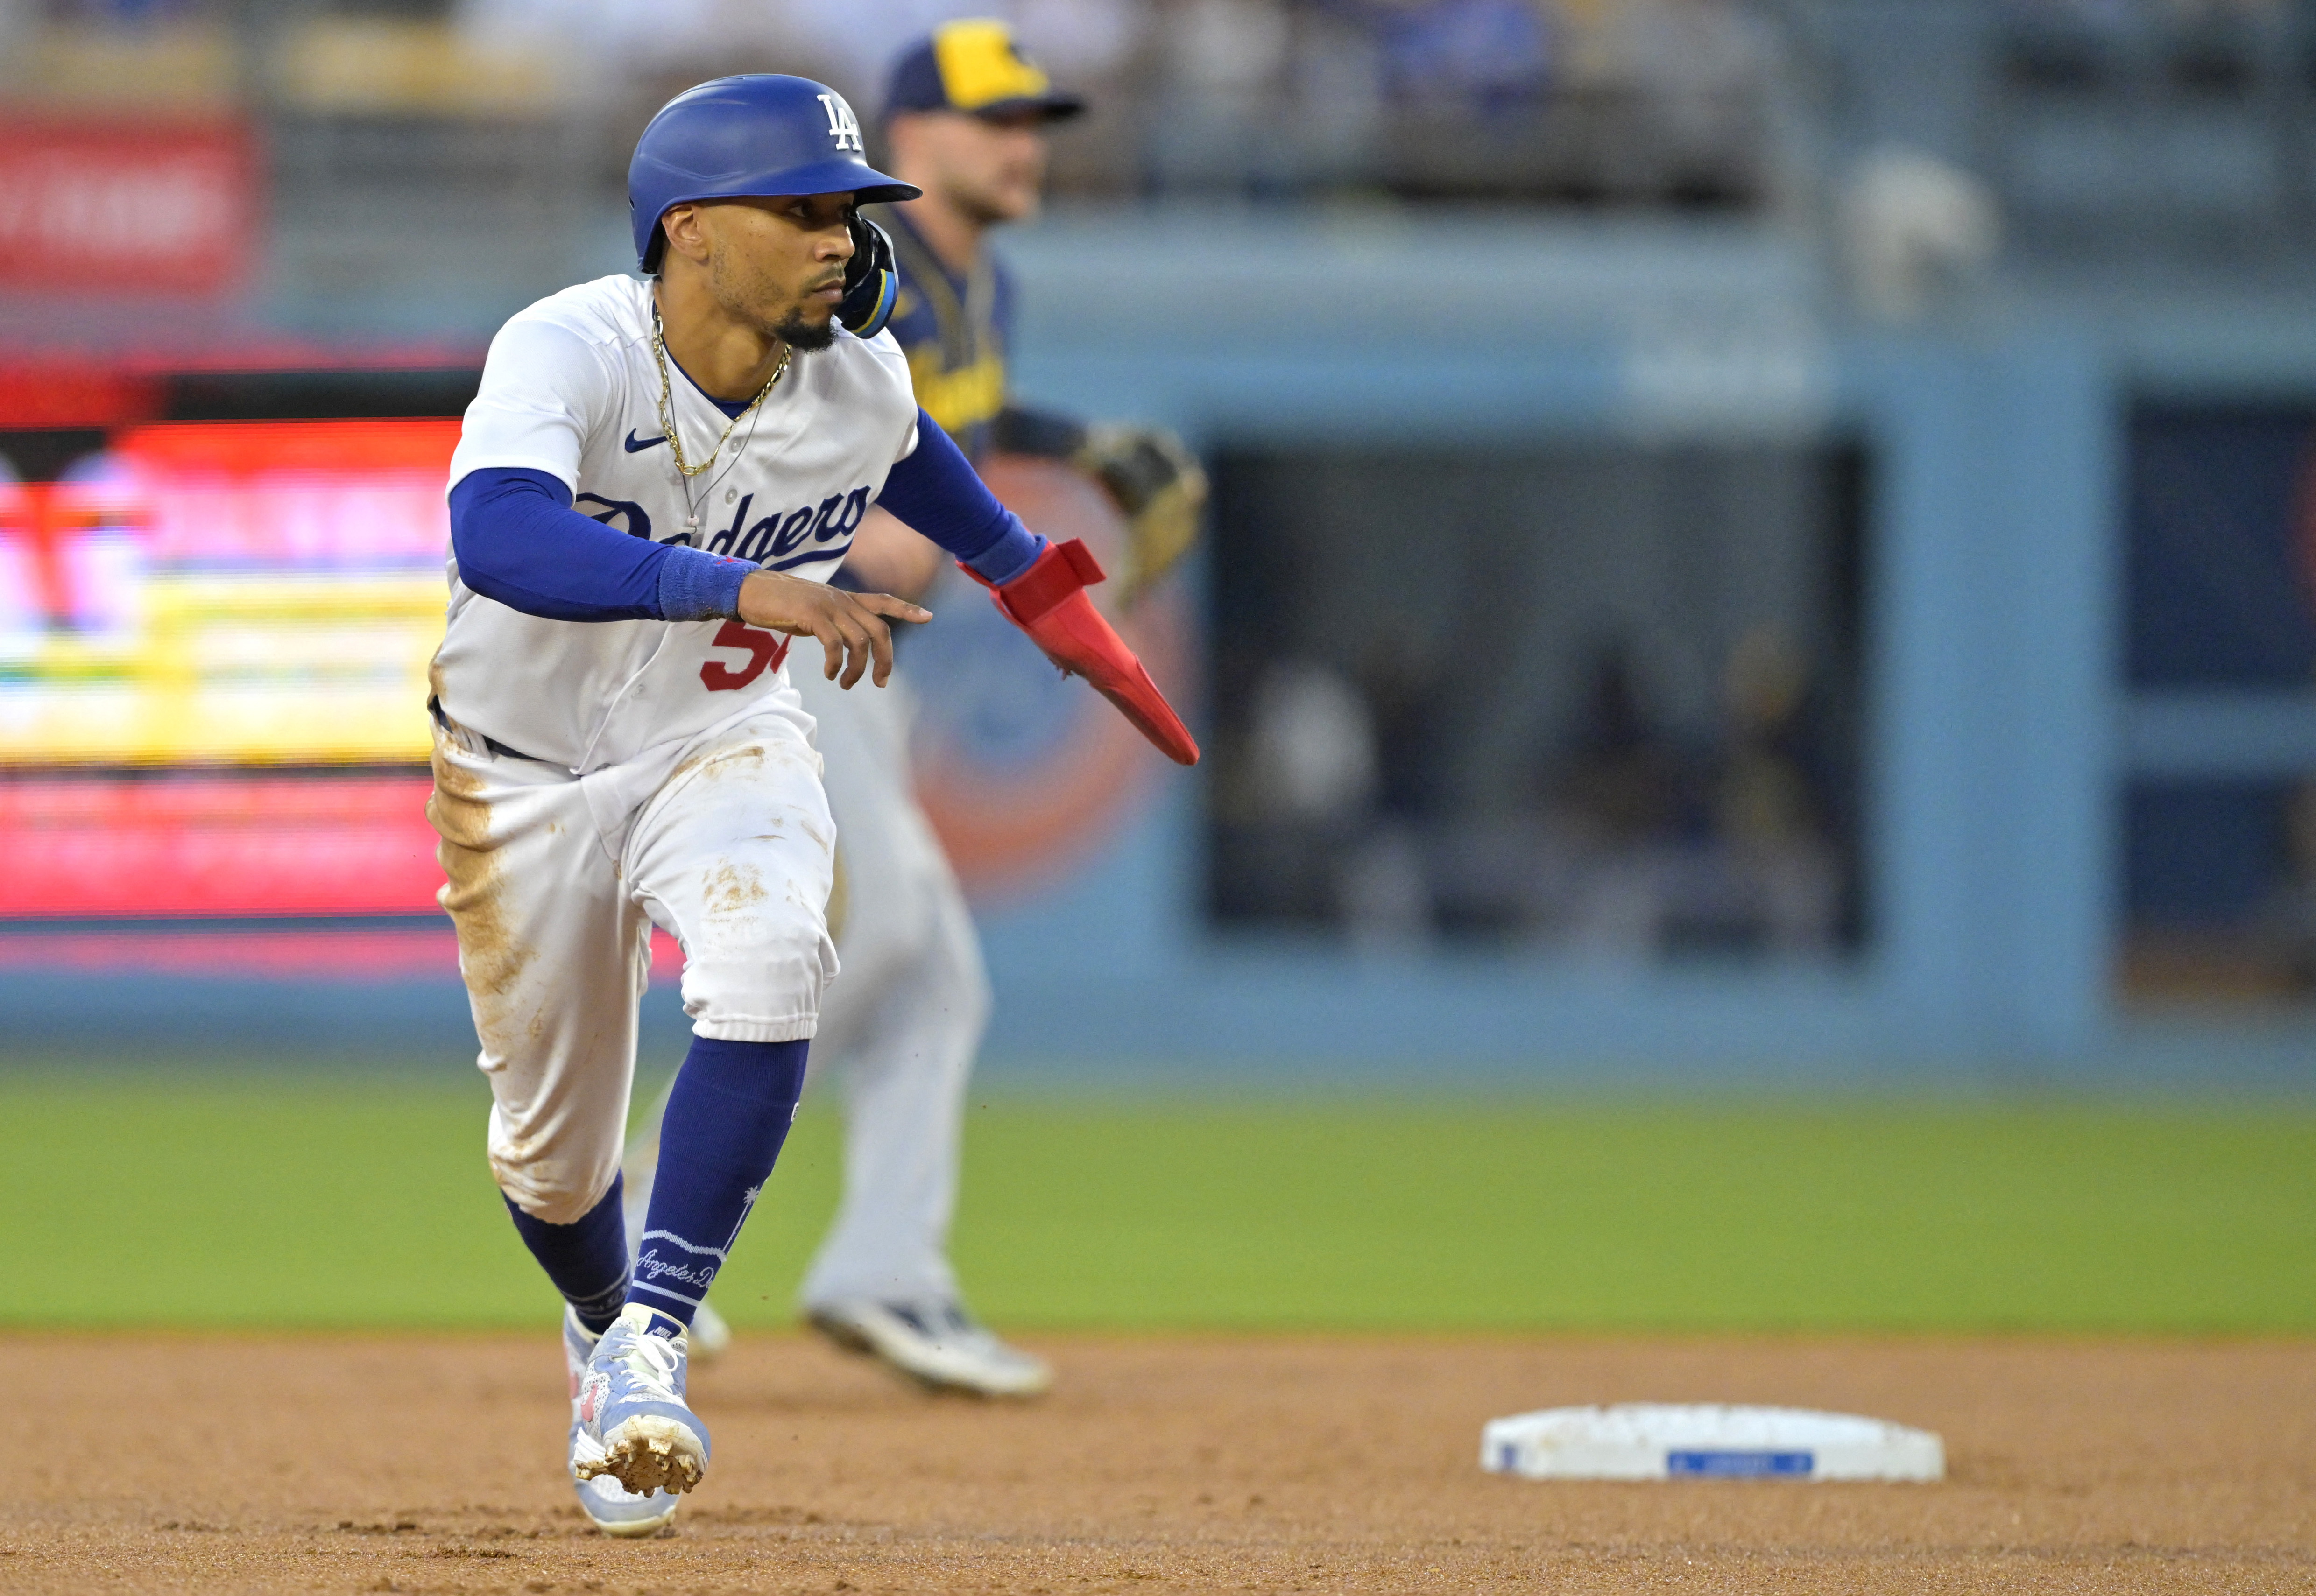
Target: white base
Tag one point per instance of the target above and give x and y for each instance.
(1654, 1440)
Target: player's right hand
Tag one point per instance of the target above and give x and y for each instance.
(851, 626)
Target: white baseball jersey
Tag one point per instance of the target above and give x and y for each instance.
(572, 387)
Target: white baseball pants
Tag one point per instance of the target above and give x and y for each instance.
(724, 842)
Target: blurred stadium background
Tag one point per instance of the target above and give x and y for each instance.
(1759, 546)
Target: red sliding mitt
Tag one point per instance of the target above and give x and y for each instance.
(1048, 601)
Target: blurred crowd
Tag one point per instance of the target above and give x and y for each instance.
(2123, 124)
(1620, 838)
(2154, 131)
(1651, 99)
(2121, 21)
(2210, 50)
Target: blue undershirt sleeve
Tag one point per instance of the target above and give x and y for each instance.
(935, 491)
(519, 541)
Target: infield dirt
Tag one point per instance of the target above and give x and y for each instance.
(432, 1464)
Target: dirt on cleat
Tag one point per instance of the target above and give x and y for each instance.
(650, 1455)
(652, 1465)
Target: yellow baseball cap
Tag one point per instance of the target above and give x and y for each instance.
(975, 65)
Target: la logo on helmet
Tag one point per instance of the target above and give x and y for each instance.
(842, 126)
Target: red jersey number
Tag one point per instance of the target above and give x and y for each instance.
(765, 651)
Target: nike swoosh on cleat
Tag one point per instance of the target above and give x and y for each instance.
(634, 447)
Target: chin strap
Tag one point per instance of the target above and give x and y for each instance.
(1048, 601)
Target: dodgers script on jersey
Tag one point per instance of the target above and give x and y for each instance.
(572, 387)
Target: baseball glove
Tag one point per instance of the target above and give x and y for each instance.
(1162, 489)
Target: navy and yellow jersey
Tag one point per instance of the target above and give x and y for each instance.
(953, 331)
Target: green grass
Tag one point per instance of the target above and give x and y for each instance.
(316, 1200)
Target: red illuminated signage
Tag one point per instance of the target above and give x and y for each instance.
(135, 207)
(222, 844)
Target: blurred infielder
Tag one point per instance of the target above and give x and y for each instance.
(965, 116)
(652, 489)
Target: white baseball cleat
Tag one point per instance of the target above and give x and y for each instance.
(935, 1343)
(631, 1406)
(610, 1505)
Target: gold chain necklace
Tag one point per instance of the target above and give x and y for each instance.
(667, 403)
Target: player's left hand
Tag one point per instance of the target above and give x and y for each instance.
(1048, 601)
(851, 626)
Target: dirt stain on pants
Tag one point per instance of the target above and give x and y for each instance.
(491, 957)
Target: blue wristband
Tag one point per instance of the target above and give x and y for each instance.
(695, 585)
(1014, 551)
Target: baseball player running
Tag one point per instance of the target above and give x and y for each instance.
(652, 489)
(966, 114)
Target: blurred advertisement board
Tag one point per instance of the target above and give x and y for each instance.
(250, 593)
(110, 207)
(213, 649)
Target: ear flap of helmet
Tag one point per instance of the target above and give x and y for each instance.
(870, 284)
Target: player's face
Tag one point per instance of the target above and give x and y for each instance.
(991, 168)
(778, 264)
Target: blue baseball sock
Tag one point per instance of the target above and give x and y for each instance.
(726, 1118)
(587, 1259)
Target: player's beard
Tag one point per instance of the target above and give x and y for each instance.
(805, 336)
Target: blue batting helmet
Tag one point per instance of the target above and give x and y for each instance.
(758, 134)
